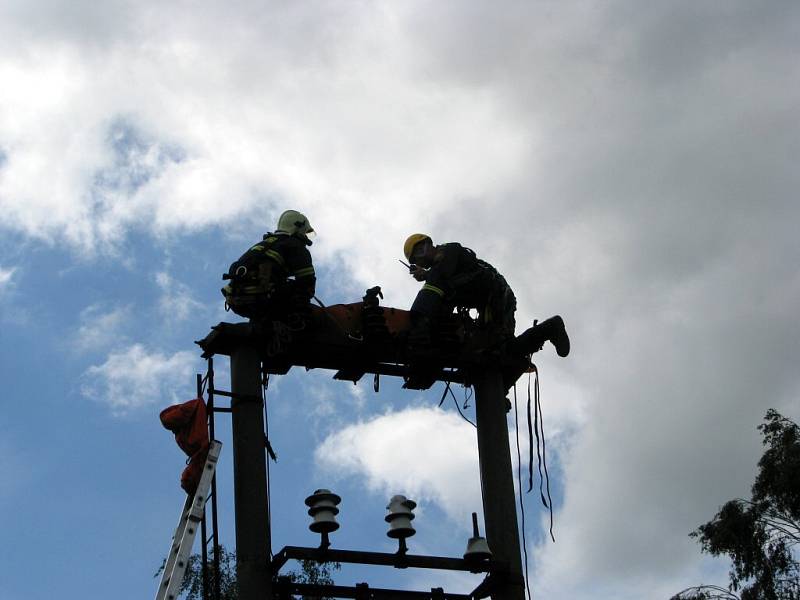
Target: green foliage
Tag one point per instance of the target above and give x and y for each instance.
(705, 592)
(192, 585)
(314, 572)
(760, 535)
(778, 482)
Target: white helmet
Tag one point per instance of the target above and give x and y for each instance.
(295, 223)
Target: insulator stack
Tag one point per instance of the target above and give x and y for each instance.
(400, 514)
(477, 548)
(373, 322)
(322, 506)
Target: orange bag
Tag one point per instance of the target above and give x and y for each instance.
(189, 423)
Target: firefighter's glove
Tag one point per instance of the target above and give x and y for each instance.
(418, 272)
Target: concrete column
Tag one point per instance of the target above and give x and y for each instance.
(497, 482)
(249, 478)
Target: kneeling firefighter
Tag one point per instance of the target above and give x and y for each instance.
(275, 278)
(455, 277)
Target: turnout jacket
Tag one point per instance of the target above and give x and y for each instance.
(291, 263)
(459, 278)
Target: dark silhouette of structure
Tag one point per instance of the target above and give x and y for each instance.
(354, 340)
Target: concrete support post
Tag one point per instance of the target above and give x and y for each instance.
(497, 482)
(249, 477)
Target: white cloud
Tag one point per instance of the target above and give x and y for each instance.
(11, 310)
(629, 167)
(136, 378)
(5, 278)
(247, 148)
(176, 302)
(101, 328)
(424, 453)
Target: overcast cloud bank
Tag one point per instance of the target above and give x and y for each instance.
(630, 166)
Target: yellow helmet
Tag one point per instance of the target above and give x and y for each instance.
(413, 240)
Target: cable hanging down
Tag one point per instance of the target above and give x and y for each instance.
(455, 401)
(519, 491)
(270, 452)
(537, 429)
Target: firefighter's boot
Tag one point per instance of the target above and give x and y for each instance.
(552, 330)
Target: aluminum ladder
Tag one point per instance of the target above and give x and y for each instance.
(183, 539)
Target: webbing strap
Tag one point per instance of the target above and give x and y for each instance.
(541, 450)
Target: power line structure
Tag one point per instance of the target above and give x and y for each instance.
(354, 340)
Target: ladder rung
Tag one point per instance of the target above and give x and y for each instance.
(250, 397)
(183, 538)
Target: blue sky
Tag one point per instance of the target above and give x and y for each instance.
(629, 166)
(92, 476)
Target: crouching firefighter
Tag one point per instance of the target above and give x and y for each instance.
(275, 278)
(455, 277)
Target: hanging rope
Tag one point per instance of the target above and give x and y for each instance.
(519, 490)
(270, 452)
(467, 396)
(444, 394)
(455, 401)
(537, 429)
(530, 442)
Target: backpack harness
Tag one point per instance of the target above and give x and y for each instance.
(252, 282)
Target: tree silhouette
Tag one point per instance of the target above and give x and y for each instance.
(192, 584)
(760, 535)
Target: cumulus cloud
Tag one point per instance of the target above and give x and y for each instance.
(154, 159)
(100, 327)
(176, 302)
(5, 278)
(11, 311)
(425, 453)
(137, 378)
(631, 167)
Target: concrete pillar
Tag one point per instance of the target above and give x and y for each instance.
(249, 477)
(497, 482)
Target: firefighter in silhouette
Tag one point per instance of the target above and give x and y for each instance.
(275, 278)
(454, 277)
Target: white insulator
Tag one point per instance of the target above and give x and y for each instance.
(324, 520)
(477, 549)
(322, 506)
(399, 504)
(401, 513)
